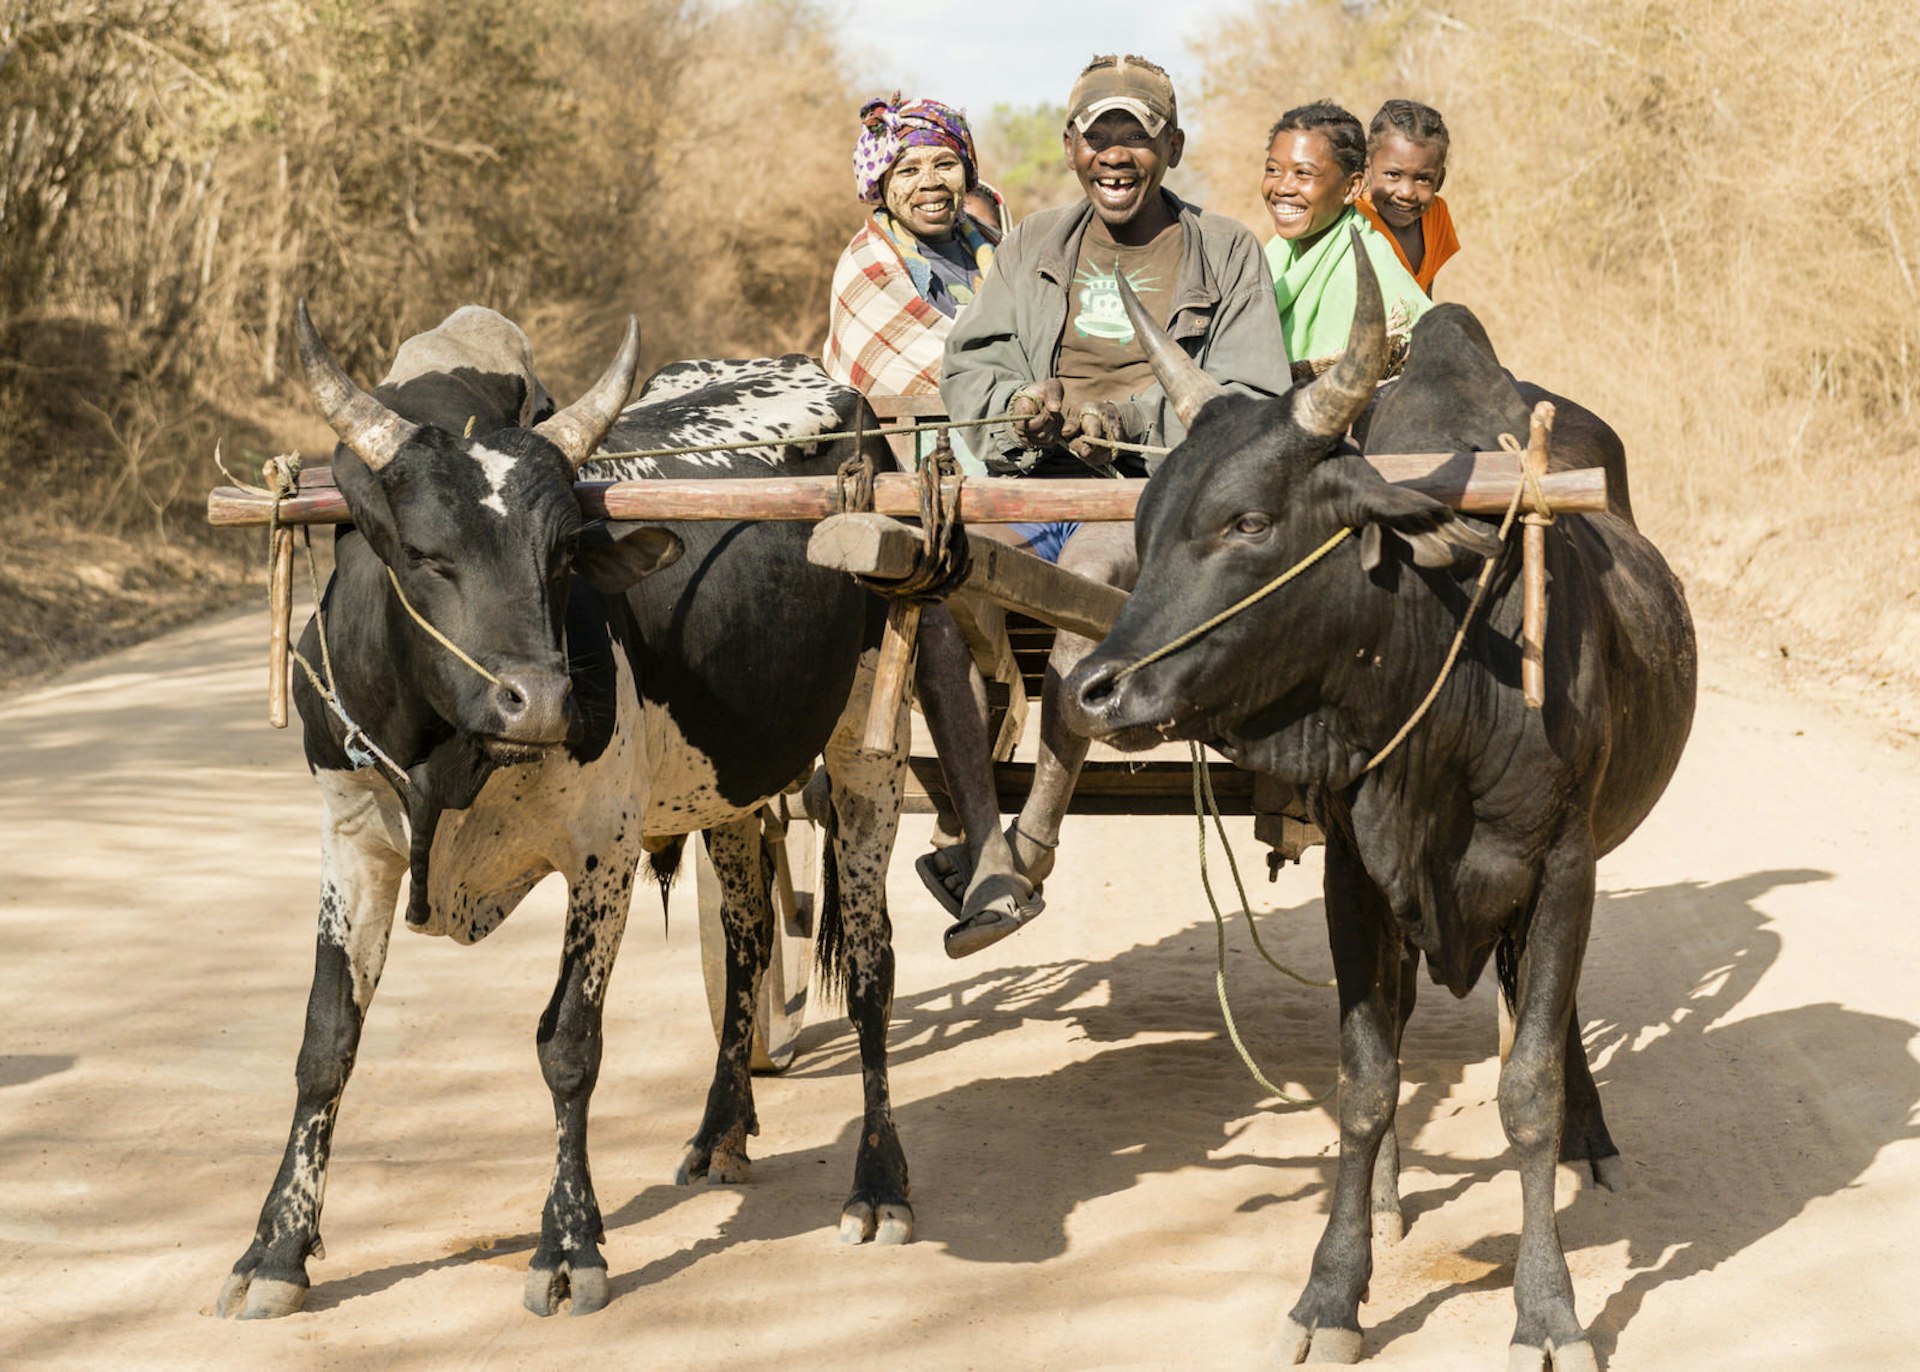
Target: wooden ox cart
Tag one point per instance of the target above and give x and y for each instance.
(1007, 606)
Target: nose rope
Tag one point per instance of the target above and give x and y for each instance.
(435, 634)
(1205, 806)
(1246, 602)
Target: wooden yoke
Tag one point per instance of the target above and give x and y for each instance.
(1473, 483)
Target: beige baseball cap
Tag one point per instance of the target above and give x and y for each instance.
(1129, 84)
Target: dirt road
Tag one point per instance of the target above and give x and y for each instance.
(1095, 1181)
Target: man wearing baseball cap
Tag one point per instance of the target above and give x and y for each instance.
(1048, 341)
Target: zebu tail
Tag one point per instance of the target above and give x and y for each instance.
(663, 864)
(831, 955)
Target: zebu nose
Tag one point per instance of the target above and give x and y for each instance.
(1090, 695)
(532, 706)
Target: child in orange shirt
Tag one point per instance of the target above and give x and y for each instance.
(1406, 166)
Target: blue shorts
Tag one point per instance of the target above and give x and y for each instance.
(1046, 540)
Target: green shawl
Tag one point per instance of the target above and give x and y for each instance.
(1315, 289)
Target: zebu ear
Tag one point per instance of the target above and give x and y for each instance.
(1371, 505)
(617, 557)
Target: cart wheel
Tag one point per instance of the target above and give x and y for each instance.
(791, 846)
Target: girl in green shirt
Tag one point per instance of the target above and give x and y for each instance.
(1316, 158)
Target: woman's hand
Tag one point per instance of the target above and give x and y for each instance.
(1037, 419)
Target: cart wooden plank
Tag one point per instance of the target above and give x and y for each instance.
(1161, 787)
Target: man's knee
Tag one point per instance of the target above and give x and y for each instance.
(1104, 553)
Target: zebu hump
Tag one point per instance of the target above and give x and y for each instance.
(486, 352)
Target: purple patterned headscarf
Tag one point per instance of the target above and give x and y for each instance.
(890, 127)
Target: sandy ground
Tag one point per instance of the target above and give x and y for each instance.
(1097, 1183)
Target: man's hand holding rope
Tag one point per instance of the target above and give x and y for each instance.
(1038, 410)
(1098, 420)
(1041, 420)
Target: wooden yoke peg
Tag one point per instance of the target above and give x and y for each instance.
(280, 624)
(893, 677)
(282, 476)
(1533, 559)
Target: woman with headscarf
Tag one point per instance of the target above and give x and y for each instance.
(919, 258)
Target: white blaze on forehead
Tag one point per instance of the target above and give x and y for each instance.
(495, 465)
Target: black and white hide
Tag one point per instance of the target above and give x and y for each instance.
(573, 706)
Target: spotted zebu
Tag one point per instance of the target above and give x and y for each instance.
(594, 690)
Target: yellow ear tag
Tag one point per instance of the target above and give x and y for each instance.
(469, 432)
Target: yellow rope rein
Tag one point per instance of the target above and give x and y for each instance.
(434, 633)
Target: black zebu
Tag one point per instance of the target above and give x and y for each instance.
(599, 708)
(1477, 838)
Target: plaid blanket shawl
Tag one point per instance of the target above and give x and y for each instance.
(883, 336)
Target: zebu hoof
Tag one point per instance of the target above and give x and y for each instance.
(547, 1287)
(245, 1296)
(1608, 1173)
(890, 1222)
(719, 1164)
(894, 1225)
(1576, 1356)
(1299, 1344)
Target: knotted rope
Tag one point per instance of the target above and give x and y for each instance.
(945, 557)
(1527, 490)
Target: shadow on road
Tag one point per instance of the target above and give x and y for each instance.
(1800, 1101)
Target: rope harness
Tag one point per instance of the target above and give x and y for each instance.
(1527, 492)
(281, 475)
(435, 634)
(1205, 806)
(945, 557)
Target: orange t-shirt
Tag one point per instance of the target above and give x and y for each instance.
(1436, 225)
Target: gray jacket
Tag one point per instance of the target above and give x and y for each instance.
(1224, 315)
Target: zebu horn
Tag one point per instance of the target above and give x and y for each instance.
(1330, 404)
(374, 432)
(1180, 376)
(578, 429)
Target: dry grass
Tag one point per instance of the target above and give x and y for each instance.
(1700, 219)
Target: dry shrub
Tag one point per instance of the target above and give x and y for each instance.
(1020, 154)
(1699, 219)
(175, 173)
(722, 186)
